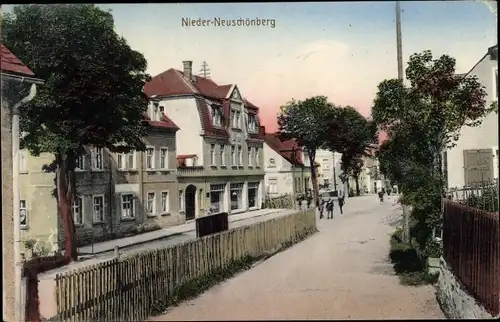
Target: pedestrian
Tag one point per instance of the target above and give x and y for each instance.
(341, 203)
(381, 196)
(321, 208)
(329, 209)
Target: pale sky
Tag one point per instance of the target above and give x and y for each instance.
(342, 50)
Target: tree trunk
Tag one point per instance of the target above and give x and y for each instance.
(356, 179)
(65, 196)
(314, 178)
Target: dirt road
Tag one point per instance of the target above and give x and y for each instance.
(342, 272)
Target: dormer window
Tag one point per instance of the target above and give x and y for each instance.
(216, 115)
(253, 123)
(156, 111)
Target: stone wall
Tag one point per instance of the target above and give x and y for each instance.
(455, 302)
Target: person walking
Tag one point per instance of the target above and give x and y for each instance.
(321, 208)
(341, 203)
(329, 208)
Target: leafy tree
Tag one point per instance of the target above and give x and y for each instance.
(422, 119)
(93, 91)
(306, 121)
(352, 165)
(352, 135)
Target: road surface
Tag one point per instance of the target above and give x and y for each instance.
(342, 272)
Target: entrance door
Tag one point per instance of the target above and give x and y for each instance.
(190, 202)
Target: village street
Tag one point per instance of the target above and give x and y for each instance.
(341, 272)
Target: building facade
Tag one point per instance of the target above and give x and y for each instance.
(14, 75)
(329, 171)
(475, 156)
(219, 144)
(118, 194)
(287, 168)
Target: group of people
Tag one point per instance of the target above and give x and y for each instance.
(327, 205)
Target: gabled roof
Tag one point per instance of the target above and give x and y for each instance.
(284, 148)
(11, 64)
(172, 82)
(165, 123)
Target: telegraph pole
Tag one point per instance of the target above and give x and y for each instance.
(204, 71)
(399, 46)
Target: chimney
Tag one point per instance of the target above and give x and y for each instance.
(188, 69)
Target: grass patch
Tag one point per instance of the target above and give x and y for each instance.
(410, 268)
(195, 287)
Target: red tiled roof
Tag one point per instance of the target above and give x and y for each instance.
(283, 148)
(165, 123)
(173, 82)
(10, 63)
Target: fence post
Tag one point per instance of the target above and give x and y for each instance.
(117, 252)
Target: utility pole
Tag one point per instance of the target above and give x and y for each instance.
(334, 173)
(399, 45)
(204, 71)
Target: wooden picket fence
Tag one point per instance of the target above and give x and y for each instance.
(125, 289)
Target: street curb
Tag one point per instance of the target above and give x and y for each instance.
(164, 237)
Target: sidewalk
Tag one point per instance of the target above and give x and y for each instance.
(109, 246)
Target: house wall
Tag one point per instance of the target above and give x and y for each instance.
(184, 113)
(332, 160)
(8, 284)
(483, 137)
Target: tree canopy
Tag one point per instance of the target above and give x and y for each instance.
(422, 120)
(307, 122)
(93, 91)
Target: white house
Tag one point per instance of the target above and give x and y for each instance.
(329, 171)
(219, 144)
(287, 170)
(475, 157)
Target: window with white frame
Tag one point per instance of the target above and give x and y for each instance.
(213, 156)
(165, 205)
(125, 161)
(127, 206)
(272, 187)
(23, 214)
(253, 123)
(82, 162)
(236, 119)
(250, 156)
(217, 197)
(240, 155)
(23, 161)
(150, 158)
(216, 115)
(164, 158)
(252, 194)
(77, 210)
(222, 155)
(96, 154)
(98, 208)
(181, 200)
(233, 155)
(161, 112)
(151, 203)
(154, 111)
(257, 157)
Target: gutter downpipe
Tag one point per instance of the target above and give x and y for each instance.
(16, 198)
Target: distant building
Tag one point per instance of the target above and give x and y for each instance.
(287, 167)
(329, 172)
(475, 156)
(219, 144)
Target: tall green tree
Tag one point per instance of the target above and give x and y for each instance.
(93, 91)
(422, 120)
(352, 135)
(307, 122)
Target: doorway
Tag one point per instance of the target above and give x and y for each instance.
(190, 200)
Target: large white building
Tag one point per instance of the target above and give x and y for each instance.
(287, 168)
(219, 144)
(475, 156)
